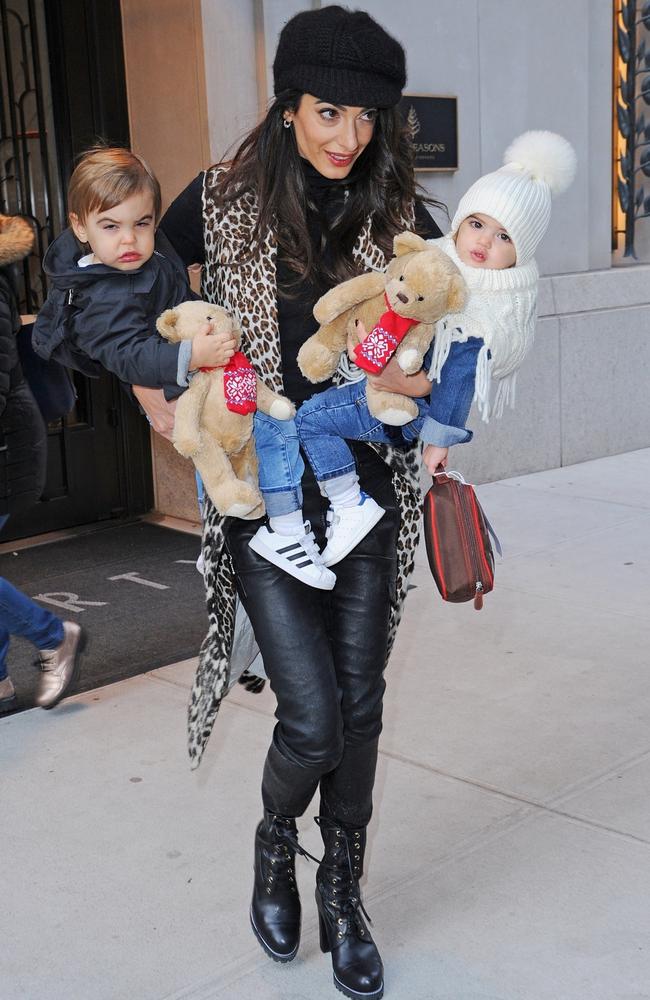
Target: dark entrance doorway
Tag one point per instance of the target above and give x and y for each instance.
(63, 88)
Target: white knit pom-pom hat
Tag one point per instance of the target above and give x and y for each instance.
(537, 165)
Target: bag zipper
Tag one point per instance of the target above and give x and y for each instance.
(475, 553)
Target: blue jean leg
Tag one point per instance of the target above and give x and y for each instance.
(200, 492)
(328, 418)
(19, 615)
(280, 464)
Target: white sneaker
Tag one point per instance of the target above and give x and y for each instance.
(348, 525)
(297, 555)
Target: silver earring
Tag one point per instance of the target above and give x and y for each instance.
(286, 122)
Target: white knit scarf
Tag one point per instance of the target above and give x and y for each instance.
(501, 311)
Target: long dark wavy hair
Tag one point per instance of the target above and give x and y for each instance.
(382, 186)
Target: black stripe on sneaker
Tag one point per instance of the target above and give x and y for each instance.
(299, 555)
(288, 548)
(302, 565)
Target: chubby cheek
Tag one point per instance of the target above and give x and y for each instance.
(507, 256)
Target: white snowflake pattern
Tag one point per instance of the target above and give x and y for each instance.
(242, 386)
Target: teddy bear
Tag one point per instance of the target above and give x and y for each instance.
(420, 285)
(213, 424)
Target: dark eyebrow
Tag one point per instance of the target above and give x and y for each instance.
(107, 218)
(342, 107)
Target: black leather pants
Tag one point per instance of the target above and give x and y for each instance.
(324, 653)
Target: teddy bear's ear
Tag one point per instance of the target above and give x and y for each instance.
(166, 324)
(407, 243)
(457, 294)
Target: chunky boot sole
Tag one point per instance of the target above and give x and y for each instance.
(275, 955)
(341, 987)
(353, 994)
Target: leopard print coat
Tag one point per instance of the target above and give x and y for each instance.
(248, 291)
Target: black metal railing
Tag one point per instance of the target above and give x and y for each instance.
(632, 96)
(28, 183)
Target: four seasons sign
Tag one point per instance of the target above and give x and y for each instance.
(432, 122)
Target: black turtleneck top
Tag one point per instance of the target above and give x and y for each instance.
(182, 224)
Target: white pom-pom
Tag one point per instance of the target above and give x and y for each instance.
(546, 156)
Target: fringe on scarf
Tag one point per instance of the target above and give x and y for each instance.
(505, 391)
(506, 386)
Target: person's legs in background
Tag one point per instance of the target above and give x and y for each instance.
(7, 690)
(59, 644)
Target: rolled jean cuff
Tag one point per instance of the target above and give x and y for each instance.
(279, 502)
(443, 435)
(336, 474)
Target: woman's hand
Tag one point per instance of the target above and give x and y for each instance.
(433, 456)
(211, 350)
(392, 378)
(159, 411)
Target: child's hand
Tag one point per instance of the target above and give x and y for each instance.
(432, 456)
(211, 350)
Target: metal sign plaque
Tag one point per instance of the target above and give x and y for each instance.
(433, 124)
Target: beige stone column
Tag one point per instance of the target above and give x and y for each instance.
(165, 81)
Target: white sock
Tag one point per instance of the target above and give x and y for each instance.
(288, 524)
(342, 491)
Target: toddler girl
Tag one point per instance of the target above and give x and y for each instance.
(494, 234)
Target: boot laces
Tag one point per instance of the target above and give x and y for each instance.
(282, 850)
(342, 885)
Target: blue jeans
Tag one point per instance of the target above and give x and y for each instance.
(280, 464)
(200, 493)
(19, 615)
(329, 417)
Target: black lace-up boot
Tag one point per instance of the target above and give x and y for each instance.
(275, 907)
(358, 969)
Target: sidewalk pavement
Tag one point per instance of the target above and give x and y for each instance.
(509, 853)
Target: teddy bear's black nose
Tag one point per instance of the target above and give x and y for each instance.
(402, 297)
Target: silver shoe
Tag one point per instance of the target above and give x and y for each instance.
(7, 694)
(60, 666)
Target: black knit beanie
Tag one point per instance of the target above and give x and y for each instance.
(341, 56)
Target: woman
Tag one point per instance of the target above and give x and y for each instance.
(314, 195)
